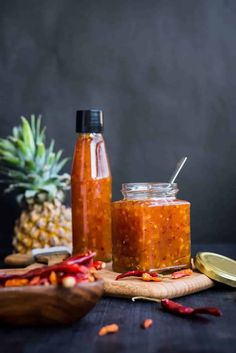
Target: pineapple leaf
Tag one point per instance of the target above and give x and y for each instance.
(24, 151)
(9, 189)
(20, 198)
(33, 126)
(40, 154)
(42, 134)
(28, 136)
(50, 148)
(13, 174)
(7, 145)
(14, 161)
(60, 165)
(30, 193)
(58, 155)
(38, 130)
(16, 132)
(28, 166)
(51, 189)
(23, 185)
(51, 160)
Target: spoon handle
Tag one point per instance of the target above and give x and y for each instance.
(178, 168)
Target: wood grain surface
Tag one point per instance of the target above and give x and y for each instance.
(169, 334)
(49, 305)
(131, 287)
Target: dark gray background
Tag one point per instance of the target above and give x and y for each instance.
(163, 71)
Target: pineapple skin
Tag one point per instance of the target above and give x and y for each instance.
(43, 226)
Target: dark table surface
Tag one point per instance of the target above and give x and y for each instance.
(169, 333)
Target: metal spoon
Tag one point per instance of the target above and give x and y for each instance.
(178, 168)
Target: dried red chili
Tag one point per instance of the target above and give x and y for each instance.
(148, 278)
(113, 328)
(35, 281)
(181, 273)
(45, 271)
(16, 282)
(98, 265)
(80, 268)
(53, 277)
(136, 274)
(182, 310)
(147, 323)
(81, 259)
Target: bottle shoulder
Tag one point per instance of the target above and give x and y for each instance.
(90, 157)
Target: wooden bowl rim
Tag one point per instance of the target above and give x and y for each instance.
(39, 288)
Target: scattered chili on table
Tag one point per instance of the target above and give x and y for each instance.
(148, 278)
(154, 276)
(113, 328)
(177, 308)
(181, 273)
(136, 273)
(147, 323)
(180, 309)
(98, 265)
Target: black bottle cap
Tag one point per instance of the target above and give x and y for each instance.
(89, 120)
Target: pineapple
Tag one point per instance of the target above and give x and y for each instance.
(33, 172)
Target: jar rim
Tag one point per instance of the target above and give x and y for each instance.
(149, 190)
(149, 186)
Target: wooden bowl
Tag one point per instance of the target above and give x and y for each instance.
(38, 305)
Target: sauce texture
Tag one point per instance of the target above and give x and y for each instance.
(91, 197)
(150, 234)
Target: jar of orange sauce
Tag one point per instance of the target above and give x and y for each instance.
(150, 228)
(91, 187)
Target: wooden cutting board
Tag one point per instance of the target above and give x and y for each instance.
(131, 287)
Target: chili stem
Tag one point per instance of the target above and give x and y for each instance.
(146, 298)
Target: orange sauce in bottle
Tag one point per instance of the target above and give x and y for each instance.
(91, 189)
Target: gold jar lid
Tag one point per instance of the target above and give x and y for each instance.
(217, 267)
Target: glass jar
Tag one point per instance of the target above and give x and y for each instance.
(150, 228)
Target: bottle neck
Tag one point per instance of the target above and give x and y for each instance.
(149, 191)
(90, 135)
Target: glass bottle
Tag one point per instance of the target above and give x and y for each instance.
(91, 187)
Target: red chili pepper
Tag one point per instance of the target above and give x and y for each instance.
(181, 273)
(43, 272)
(35, 281)
(136, 273)
(81, 259)
(77, 266)
(208, 310)
(148, 278)
(44, 282)
(98, 265)
(180, 309)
